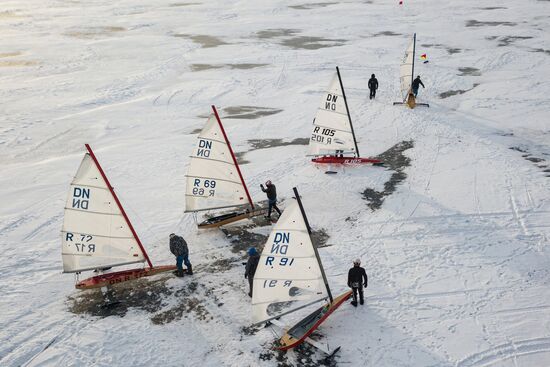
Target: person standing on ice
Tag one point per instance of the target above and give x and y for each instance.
(179, 248)
(271, 192)
(416, 84)
(373, 86)
(251, 265)
(357, 279)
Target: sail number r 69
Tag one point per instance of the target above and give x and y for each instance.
(200, 186)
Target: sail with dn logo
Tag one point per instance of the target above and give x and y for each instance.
(290, 277)
(333, 138)
(96, 232)
(214, 180)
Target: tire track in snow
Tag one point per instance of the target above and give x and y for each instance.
(506, 351)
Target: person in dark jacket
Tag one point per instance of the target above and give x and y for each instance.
(416, 84)
(373, 86)
(179, 248)
(271, 192)
(357, 279)
(251, 265)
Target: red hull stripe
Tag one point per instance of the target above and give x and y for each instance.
(333, 307)
(346, 160)
(121, 276)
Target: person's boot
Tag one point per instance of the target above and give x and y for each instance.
(361, 302)
(354, 303)
(190, 270)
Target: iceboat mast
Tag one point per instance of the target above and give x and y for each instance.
(350, 124)
(314, 246)
(92, 155)
(414, 51)
(233, 156)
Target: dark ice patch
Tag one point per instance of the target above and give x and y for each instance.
(241, 160)
(272, 143)
(386, 33)
(320, 237)
(268, 143)
(477, 23)
(248, 112)
(540, 49)
(183, 4)
(518, 149)
(204, 40)
(143, 294)
(201, 67)
(451, 93)
(452, 50)
(221, 265)
(242, 238)
(507, 40)
(196, 131)
(191, 301)
(243, 66)
(310, 6)
(395, 160)
(94, 32)
(493, 8)
(311, 42)
(469, 71)
(277, 32)
(529, 157)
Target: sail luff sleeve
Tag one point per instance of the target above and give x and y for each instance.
(92, 155)
(325, 280)
(233, 156)
(349, 116)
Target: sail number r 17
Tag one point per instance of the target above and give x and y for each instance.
(82, 242)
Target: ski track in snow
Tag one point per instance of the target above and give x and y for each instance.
(457, 256)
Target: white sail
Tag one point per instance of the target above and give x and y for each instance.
(406, 70)
(95, 233)
(212, 178)
(288, 269)
(331, 127)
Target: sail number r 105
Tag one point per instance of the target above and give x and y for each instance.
(322, 135)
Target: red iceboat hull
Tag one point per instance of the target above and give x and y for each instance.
(304, 328)
(346, 160)
(121, 276)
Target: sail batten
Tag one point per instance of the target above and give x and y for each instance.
(96, 233)
(95, 267)
(332, 130)
(213, 177)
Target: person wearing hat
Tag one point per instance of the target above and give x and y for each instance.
(251, 265)
(357, 279)
(373, 86)
(179, 248)
(416, 84)
(271, 192)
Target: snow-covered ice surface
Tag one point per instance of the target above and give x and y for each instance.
(458, 255)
